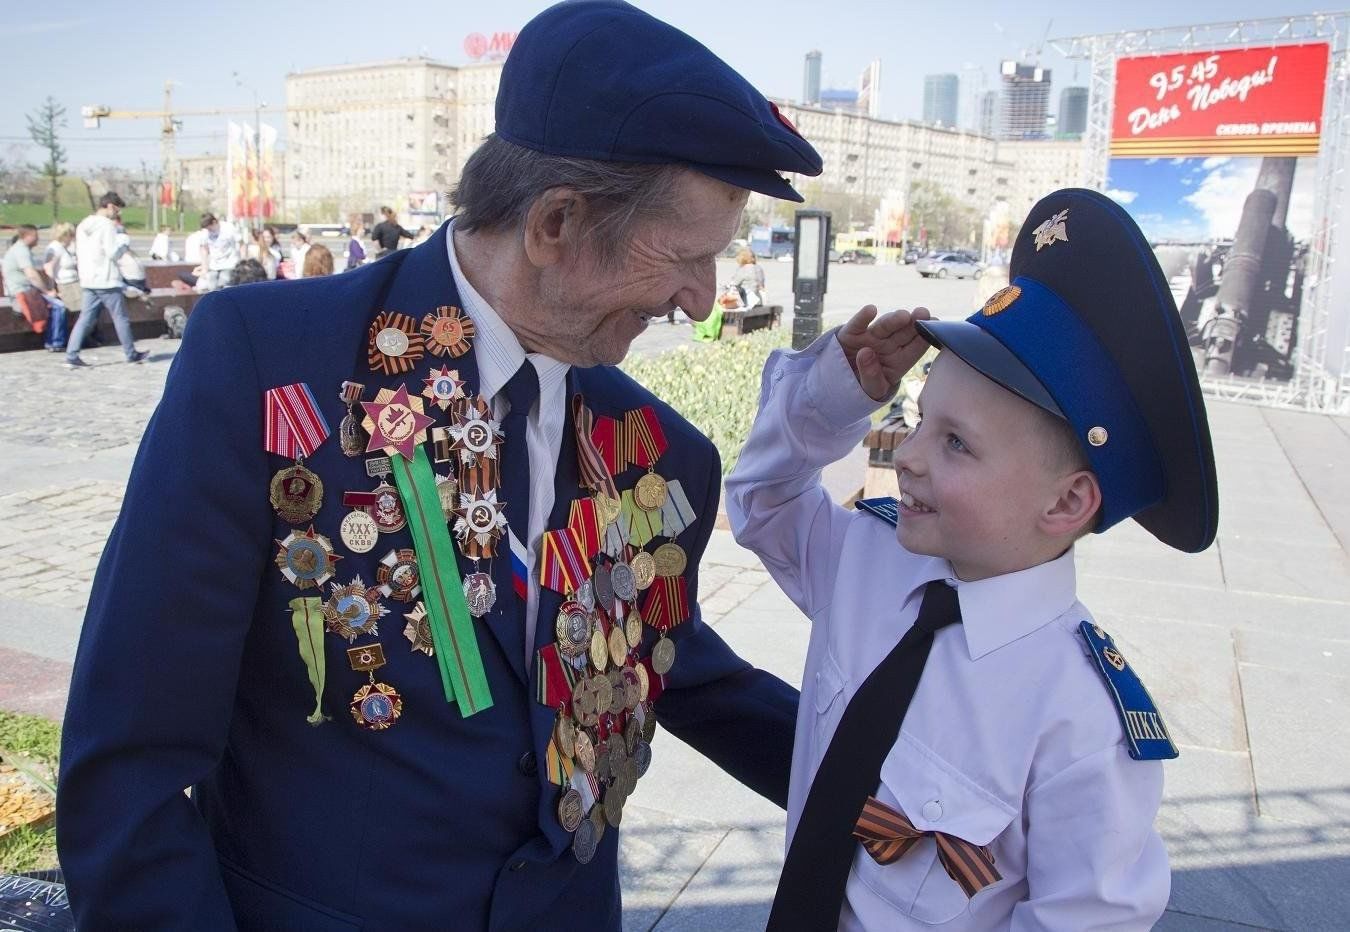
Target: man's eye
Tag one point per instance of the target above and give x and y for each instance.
(956, 444)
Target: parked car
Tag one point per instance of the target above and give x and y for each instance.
(857, 257)
(912, 256)
(948, 265)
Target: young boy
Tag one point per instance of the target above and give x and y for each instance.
(1021, 791)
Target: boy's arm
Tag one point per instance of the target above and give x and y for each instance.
(1094, 859)
(812, 411)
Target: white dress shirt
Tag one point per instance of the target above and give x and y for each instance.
(1011, 739)
(499, 354)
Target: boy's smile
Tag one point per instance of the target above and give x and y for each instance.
(975, 477)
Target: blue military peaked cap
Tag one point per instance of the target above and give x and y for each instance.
(1088, 331)
(601, 79)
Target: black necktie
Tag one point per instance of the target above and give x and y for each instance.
(521, 394)
(811, 890)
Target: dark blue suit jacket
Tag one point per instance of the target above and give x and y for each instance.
(188, 674)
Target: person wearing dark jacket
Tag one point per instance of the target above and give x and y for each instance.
(388, 232)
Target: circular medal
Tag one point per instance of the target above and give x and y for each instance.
(618, 645)
(607, 510)
(597, 818)
(616, 688)
(599, 650)
(632, 689)
(585, 752)
(573, 629)
(565, 732)
(642, 756)
(632, 628)
(388, 509)
(602, 763)
(569, 810)
(630, 775)
(670, 559)
(583, 701)
(480, 592)
(649, 725)
(614, 807)
(624, 582)
(618, 754)
(650, 492)
(604, 591)
(604, 692)
(391, 341)
(353, 610)
(644, 682)
(376, 706)
(398, 575)
(644, 569)
(632, 734)
(584, 842)
(663, 655)
(359, 532)
(296, 494)
(306, 559)
(586, 595)
(448, 331)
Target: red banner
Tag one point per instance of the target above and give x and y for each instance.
(1262, 101)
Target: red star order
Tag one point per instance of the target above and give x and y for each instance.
(396, 423)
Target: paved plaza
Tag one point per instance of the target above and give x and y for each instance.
(1242, 646)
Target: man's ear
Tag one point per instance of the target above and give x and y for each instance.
(1075, 508)
(553, 226)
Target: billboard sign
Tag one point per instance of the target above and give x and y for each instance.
(1253, 101)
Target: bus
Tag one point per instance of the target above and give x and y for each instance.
(771, 242)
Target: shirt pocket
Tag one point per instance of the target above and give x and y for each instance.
(934, 796)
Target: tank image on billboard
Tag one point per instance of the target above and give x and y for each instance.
(1214, 154)
(1232, 236)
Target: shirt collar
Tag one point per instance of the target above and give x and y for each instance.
(497, 352)
(999, 610)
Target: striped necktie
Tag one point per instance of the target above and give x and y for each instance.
(522, 391)
(815, 874)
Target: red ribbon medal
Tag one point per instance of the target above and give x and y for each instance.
(293, 425)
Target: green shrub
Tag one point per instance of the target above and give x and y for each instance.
(714, 385)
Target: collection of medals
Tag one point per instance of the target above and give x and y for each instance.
(616, 564)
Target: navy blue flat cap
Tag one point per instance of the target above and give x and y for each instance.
(1088, 331)
(601, 79)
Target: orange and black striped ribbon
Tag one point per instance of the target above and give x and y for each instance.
(395, 365)
(643, 438)
(887, 834)
(590, 461)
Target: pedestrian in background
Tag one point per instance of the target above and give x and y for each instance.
(294, 267)
(749, 278)
(267, 250)
(96, 254)
(356, 250)
(219, 254)
(31, 290)
(388, 232)
(63, 269)
(159, 249)
(129, 264)
(318, 261)
(248, 271)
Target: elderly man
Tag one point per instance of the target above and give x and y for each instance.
(407, 573)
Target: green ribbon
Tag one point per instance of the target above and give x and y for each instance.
(452, 628)
(307, 617)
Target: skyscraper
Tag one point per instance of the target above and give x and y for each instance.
(811, 79)
(1073, 107)
(941, 97)
(869, 90)
(987, 122)
(1024, 101)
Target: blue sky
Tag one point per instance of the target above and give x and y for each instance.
(86, 52)
(1197, 199)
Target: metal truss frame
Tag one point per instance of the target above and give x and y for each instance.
(1321, 379)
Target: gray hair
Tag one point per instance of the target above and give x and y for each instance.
(501, 181)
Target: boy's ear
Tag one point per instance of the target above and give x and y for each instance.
(553, 226)
(1074, 510)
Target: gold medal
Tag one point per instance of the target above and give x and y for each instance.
(632, 690)
(670, 559)
(618, 645)
(607, 510)
(569, 810)
(573, 629)
(585, 752)
(599, 650)
(644, 569)
(604, 693)
(650, 492)
(565, 733)
(614, 807)
(597, 818)
(632, 628)
(663, 655)
(616, 691)
(376, 706)
(644, 682)
(632, 734)
(296, 494)
(353, 610)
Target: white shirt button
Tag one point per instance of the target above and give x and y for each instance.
(932, 810)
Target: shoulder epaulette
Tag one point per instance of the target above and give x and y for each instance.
(1144, 729)
(885, 508)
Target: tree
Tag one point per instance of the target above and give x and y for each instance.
(945, 221)
(43, 124)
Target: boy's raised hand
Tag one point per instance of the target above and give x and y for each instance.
(882, 349)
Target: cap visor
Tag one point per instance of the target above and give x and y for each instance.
(760, 180)
(986, 355)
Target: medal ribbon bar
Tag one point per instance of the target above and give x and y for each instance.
(293, 425)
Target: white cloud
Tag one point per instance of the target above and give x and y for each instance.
(1179, 160)
(1214, 161)
(1221, 193)
(1122, 197)
(1153, 161)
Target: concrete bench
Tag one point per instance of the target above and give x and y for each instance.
(147, 320)
(741, 320)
